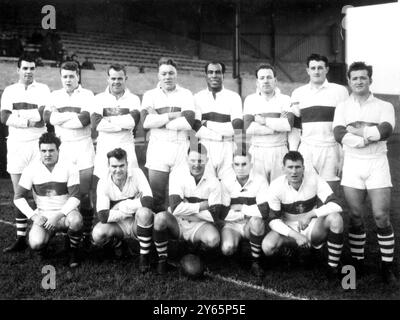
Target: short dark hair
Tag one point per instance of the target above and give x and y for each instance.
(49, 138)
(167, 61)
(317, 57)
(27, 58)
(293, 156)
(215, 62)
(242, 151)
(70, 65)
(198, 147)
(359, 65)
(117, 153)
(265, 66)
(117, 67)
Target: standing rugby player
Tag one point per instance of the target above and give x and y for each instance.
(116, 115)
(168, 112)
(218, 115)
(69, 110)
(267, 120)
(315, 103)
(362, 124)
(22, 106)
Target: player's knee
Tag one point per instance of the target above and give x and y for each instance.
(257, 226)
(212, 240)
(228, 248)
(269, 247)
(99, 234)
(75, 221)
(35, 242)
(382, 219)
(335, 221)
(160, 221)
(144, 216)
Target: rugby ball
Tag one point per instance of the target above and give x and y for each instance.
(192, 266)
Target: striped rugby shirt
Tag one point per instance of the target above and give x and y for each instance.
(185, 195)
(113, 204)
(162, 129)
(70, 114)
(216, 119)
(376, 116)
(316, 107)
(274, 132)
(252, 196)
(53, 191)
(287, 203)
(115, 119)
(18, 105)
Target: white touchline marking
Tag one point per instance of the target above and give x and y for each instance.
(286, 295)
(270, 291)
(7, 222)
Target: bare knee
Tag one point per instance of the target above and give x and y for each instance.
(269, 247)
(161, 221)
(335, 222)
(257, 226)
(99, 234)
(212, 240)
(228, 248)
(74, 221)
(144, 216)
(35, 242)
(382, 219)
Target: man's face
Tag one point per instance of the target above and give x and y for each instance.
(69, 80)
(359, 82)
(241, 166)
(266, 81)
(48, 154)
(317, 70)
(116, 81)
(118, 168)
(215, 77)
(26, 72)
(167, 75)
(197, 163)
(294, 171)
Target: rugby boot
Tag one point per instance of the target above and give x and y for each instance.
(19, 245)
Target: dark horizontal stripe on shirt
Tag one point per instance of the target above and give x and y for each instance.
(300, 207)
(24, 106)
(244, 200)
(215, 116)
(194, 199)
(50, 189)
(362, 124)
(69, 109)
(107, 112)
(168, 110)
(317, 114)
(271, 114)
(114, 202)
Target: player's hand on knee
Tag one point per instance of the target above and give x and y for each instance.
(302, 241)
(39, 220)
(151, 110)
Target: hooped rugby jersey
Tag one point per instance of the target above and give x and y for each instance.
(20, 104)
(70, 114)
(316, 107)
(161, 128)
(217, 118)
